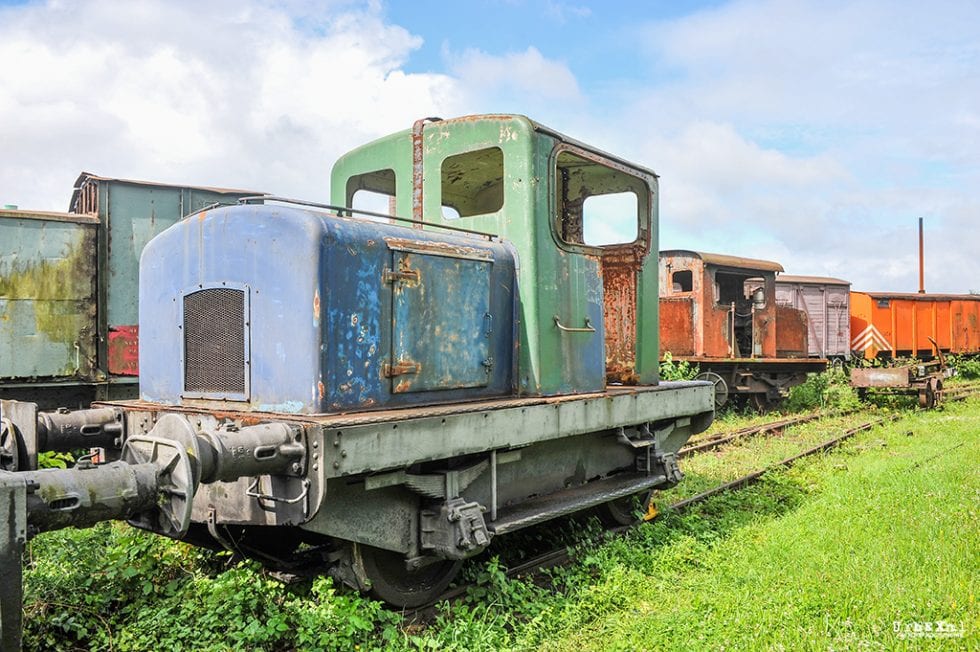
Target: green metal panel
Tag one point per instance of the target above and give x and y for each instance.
(351, 170)
(135, 214)
(47, 296)
(441, 433)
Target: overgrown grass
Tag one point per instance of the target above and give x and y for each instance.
(886, 533)
(828, 555)
(828, 390)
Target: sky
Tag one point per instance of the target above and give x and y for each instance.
(813, 133)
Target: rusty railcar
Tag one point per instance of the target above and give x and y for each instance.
(911, 334)
(68, 287)
(826, 302)
(720, 312)
(384, 397)
(890, 325)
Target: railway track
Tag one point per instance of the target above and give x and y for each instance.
(561, 556)
(720, 439)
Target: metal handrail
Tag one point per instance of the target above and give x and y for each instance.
(588, 326)
(351, 211)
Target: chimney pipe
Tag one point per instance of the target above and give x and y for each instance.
(922, 277)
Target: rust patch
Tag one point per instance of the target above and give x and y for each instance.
(321, 390)
(124, 350)
(316, 306)
(619, 283)
(438, 249)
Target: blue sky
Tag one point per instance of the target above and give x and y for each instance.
(809, 132)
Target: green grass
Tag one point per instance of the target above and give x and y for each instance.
(885, 531)
(826, 555)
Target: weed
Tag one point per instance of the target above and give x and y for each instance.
(830, 389)
(671, 369)
(967, 367)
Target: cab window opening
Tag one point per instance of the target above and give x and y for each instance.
(472, 183)
(374, 192)
(597, 205)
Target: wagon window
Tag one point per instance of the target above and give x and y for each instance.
(372, 191)
(473, 183)
(597, 205)
(683, 281)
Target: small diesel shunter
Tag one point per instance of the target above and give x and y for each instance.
(384, 395)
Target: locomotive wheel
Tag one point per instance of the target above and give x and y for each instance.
(930, 395)
(13, 455)
(760, 402)
(392, 582)
(721, 387)
(622, 511)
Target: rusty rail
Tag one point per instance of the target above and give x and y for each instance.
(723, 438)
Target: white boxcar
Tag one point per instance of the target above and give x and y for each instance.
(826, 302)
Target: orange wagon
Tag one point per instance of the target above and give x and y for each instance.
(892, 325)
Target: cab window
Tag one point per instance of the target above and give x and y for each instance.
(597, 205)
(473, 183)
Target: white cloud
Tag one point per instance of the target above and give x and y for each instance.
(815, 133)
(227, 93)
(520, 78)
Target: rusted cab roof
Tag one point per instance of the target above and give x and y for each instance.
(724, 260)
(814, 280)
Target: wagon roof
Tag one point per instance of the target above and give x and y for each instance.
(725, 260)
(816, 280)
(915, 296)
(49, 216)
(88, 176)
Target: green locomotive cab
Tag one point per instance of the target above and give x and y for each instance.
(584, 224)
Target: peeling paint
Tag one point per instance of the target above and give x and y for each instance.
(47, 298)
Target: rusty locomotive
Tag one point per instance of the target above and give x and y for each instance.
(382, 395)
(720, 312)
(755, 332)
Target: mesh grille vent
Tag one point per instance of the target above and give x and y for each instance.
(214, 341)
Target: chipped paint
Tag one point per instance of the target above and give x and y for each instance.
(289, 407)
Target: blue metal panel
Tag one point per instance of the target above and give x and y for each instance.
(441, 323)
(320, 307)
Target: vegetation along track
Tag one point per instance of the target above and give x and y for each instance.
(564, 555)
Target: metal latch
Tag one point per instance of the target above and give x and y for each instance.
(391, 276)
(399, 369)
